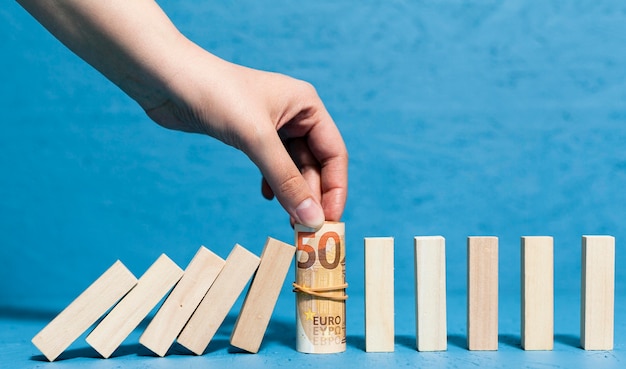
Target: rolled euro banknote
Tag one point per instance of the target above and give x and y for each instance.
(321, 289)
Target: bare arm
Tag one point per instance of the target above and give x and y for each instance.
(278, 121)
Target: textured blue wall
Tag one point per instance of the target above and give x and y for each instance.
(461, 118)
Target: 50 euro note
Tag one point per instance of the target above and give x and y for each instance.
(320, 289)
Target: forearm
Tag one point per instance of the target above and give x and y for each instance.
(133, 43)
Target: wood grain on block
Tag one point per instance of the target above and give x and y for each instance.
(482, 293)
(537, 310)
(84, 311)
(182, 301)
(135, 306)
(261, 297)
(200, 329)
(430, 293)
(379, 294)
(598, 293)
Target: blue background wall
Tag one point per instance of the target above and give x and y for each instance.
(461, 118)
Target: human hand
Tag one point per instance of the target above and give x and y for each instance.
(279, 122)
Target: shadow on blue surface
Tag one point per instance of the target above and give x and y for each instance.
(25, 313)
(90, 353)
(406, 341)
(457, 340)
(357, 342)
(275, 334)
(510, 340)
(568, 339)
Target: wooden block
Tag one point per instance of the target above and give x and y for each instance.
(84, 311)
(430, 293)
(182, 302)
(128, 313)
(482, 293)
(379, 295)
(598, 293)
(537, 293)
(261, 297)
(200, 329)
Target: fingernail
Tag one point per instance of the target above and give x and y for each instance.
(310, 214)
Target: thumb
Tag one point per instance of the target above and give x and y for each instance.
(288, 184)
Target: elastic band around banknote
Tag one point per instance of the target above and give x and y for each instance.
(319, 291)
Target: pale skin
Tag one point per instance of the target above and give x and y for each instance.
(279, 122)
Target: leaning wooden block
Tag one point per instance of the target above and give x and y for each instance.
(128, 313)
(182, 301)
(261, 298)
(200, 329)
(537, 293)
(430, 293)
(598, 293)
(84, 311)
(482, 293)
(379, 294)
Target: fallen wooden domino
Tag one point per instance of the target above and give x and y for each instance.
(182, 301)
(482, 293)
(135, 306)
(262, 295)
(211, 312)
(598, 293)
(537, 293)
(430, 293)
(84, 311)
(379, 294)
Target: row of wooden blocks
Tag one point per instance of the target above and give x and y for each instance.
(201, 297)
(204, 293)
(537, 293)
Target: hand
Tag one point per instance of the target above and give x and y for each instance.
(279, 122)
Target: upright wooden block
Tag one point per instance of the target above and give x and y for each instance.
(537, 293)
(430, 293)
(598, 292)
(84, 311)
(128, 313)
(482, 293)
(379, 295)
(261, 298)
(182, 301)
(200, 329)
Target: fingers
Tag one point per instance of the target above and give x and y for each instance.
(309, 174)
(285, 180)
(326, 145)
(307, 163)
